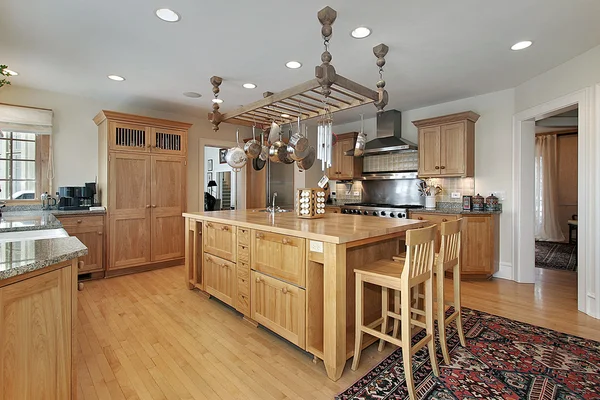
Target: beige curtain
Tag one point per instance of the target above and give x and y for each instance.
(547, 225)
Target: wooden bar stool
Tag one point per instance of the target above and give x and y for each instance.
(447, 259)
(390, 274)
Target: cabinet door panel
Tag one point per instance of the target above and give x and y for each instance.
(346, 163)
(429, 151)
(477, 246)
(279, 307)
(94, 240)
(220, 240)
(35, 328)
(129, 137)
(220, 278)
(169, 141)
(453, 149)
(129, 241)
(280, 256)
(436, 219)
(168, 202)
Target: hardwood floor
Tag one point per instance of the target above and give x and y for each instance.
(146, 336)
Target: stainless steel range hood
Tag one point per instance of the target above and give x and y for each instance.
(389, 138)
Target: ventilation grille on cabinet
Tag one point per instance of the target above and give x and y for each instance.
(130, 137)
(168, 141)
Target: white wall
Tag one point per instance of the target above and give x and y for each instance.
(578, 73)
(76, 139)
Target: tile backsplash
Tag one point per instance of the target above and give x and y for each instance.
(465, 186)
(405, 161)
(341, 191)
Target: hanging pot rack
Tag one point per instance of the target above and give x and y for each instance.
(306, 99)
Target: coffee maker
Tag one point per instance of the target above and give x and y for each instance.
(77, 197)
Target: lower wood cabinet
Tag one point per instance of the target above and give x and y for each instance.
(480, 242)
(280, 256)
(89, 229)
(280, 307)
(220, 278)
(220, 240)
(37, 323)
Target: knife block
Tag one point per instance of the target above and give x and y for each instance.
(310, 203)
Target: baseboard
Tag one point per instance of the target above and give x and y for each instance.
(145, 267)
(505, 272)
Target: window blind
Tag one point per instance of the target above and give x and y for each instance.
(25, 119)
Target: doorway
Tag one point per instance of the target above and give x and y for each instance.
(523, 261)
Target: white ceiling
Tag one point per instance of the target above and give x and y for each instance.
(439, 50)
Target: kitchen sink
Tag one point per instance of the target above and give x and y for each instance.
(279, 210)
(6, 237)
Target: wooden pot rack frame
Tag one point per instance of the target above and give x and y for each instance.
(306, 100)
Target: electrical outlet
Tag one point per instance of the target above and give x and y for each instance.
(455, 195)
(348, 192)
(316, 247)
(357, 193)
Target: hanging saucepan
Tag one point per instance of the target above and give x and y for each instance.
(236, 156)
(264, 153)
(307, 161)
(252, 147)
(278, 151)
(287, 159)
(274, 132)
(297, 147)
(361, 139)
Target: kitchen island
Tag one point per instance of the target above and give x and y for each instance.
(293, 276)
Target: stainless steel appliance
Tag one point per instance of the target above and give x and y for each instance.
(379, 210)
(76, 197)
(280, 180)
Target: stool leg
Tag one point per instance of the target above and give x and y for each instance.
(397, 311)
(406, 345)
(385, 306)
(359, 322)
(441, 317)
(429, 324)
(457, 306)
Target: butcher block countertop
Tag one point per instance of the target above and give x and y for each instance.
(332, 228)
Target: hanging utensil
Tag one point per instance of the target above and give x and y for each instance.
(307, 161)
(264, 153)
(287, 159)
(252, 148)
(274, 133)
(236, 156)
(258, 164)
(361, 139)
(277, 151)
(298, 145)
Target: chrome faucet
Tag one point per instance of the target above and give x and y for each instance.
(273, 209)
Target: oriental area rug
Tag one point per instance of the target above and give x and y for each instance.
(503, 359)
(552, 255)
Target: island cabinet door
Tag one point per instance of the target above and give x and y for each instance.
(220, 279)
(220, 240)
(280, 307)
(280, 256)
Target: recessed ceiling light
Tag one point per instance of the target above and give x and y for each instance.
(218, 101)
(193, 95)
(361, 32)
(116, 78)
(285, 115)
(11, 72)
(249, 85)
(521, 45)
(167, 15)
(293, 64)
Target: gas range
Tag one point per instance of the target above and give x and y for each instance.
(379, 210)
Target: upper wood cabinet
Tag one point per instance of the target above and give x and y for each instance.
(142, 182)
(447, 145)
(345, 167)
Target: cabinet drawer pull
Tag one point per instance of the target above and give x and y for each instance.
(437, 167)
(79, 221)
(153, 205)
(443, 167)
(284, 290)
(210, 225)
(208, 259)
(224, 228)
(147, 205)
(258, 279)
(224, 265)
(80, 265)
(260, 236)
(420, 218)
(100, 233)
(285, 241)
(444, 220)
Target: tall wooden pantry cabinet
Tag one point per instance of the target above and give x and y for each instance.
(142, 166)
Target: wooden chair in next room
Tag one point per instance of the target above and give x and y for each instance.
(401, 278)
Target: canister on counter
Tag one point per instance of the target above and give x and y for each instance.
(467, 203)
(491, 203)
(478, 203)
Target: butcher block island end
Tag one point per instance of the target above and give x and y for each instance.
(293, 276)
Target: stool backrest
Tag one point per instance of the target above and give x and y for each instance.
(449, 254)
(420, 248)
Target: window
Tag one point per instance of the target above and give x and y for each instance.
(18, 166)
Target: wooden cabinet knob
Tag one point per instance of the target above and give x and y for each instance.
(285, 241)
(437, 167)
(80, 265)
(444, 220)
(223, 265)
(209, 225)
(224, 228)
(420, 218)
(284, 290)
(258, 279)
(100, 233)
(147, 205)
(79, 221)
(259, 235)
(443, 167)
(153, 205)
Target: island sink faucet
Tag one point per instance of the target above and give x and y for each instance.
(273, 208)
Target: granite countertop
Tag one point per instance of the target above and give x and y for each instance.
(17, 258)
(76, 212)
(451, 211)
(28, 221)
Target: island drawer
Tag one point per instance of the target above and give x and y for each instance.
(73, 221)
(243, 304)
(279, 256)
(220, 278)
(243, 286)
(244, 253)
(280, 307)
(244, 236)
(243, 271)
(220, 240)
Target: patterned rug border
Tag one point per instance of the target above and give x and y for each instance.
(562, 335)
